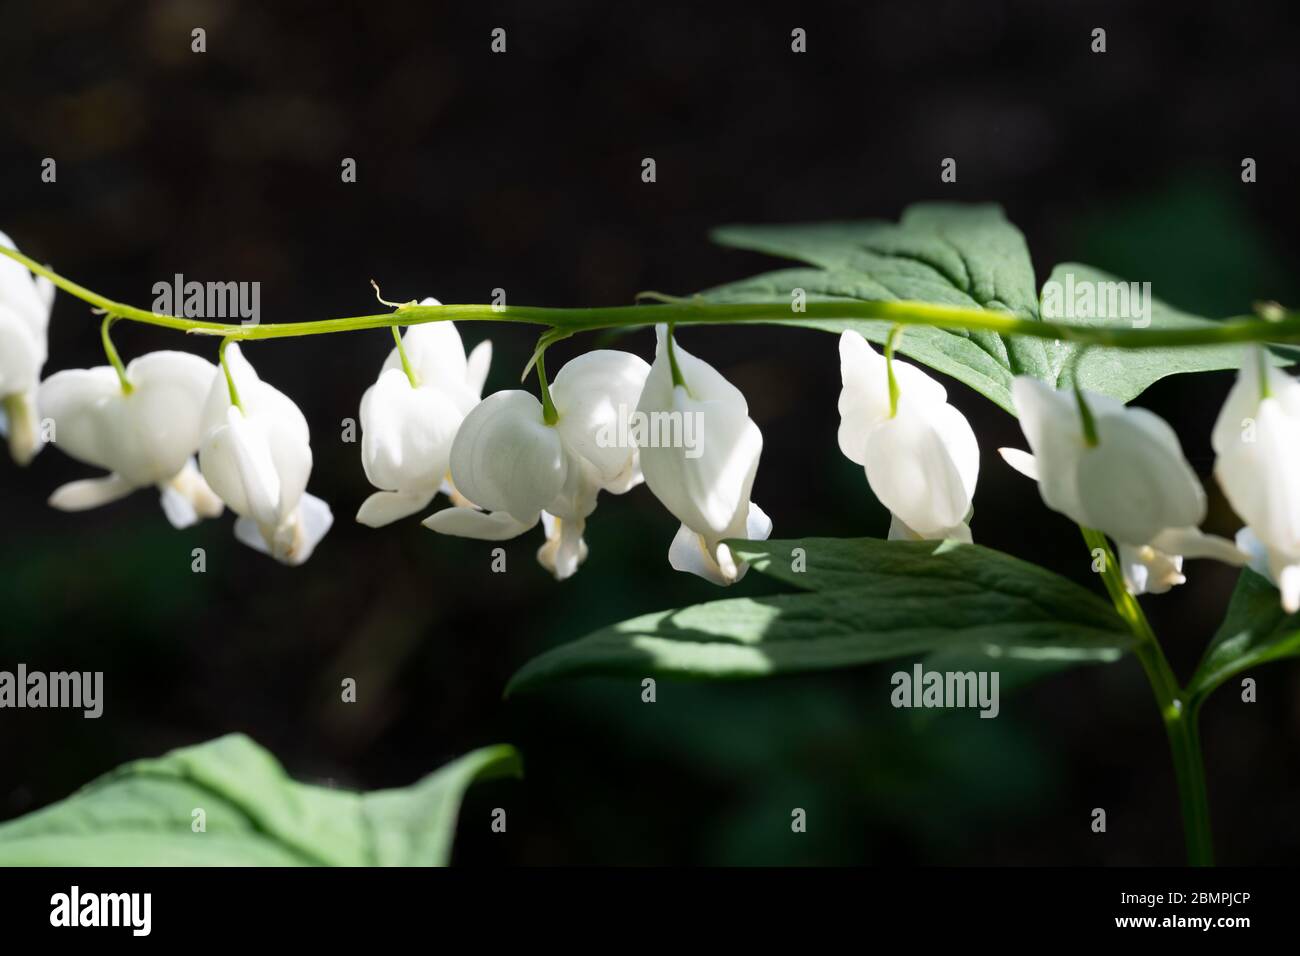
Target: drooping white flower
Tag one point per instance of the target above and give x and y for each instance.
(519, 469)
(258, 460)
(921, 462)
(706, 483)
(1256, 441)
(25, 302)
(407, 430)
(1134, 484)
(147, 437)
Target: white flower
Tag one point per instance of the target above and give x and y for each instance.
(146, 437)
(1257, 443)
(1134, 484)
(509, 461)
(258, 460)
(407, 430)
(25, 302)
(706, 487)
(922, 462)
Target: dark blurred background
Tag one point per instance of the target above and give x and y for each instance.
(523, 171)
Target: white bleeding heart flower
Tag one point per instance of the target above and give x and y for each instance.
(1256, 442)
(407, 430)
(922, 462)
(25, 302)
(145, 437)
(258, 459)
(1133, 484)
(705, 484)
(520, 469)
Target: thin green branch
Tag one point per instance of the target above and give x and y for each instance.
(694, 311)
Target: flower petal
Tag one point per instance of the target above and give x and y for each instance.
(595, 395)
(1135, 482)
(707, 488)
(385, 507)
(923, 464)
(406, 434)
(564, 549)
(506, 458)
(1050, 421)
(90, 493)
(482, 525)
(186, 498)
(1021, 461)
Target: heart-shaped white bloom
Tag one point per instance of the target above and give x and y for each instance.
(406, 430)
(147, 437)
(258, 460)
(25, 302)
(1256, 441)
(1133, 485)
(700, 454)
(509, 462)
(923, 462)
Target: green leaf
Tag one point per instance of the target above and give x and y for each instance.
(1126, 373)
(967, 256)
(869, 600)
(141, 814)
(1254, 631)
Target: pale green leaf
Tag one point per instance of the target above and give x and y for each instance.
(142, 814)
(1254, 631)
(967, 256)
(874, 600)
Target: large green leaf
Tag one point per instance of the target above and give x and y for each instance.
(1255, 630)
(968, 256)
(1126, 373)
(141, 814)
(872, 600)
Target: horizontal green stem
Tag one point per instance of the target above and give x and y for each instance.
(697, 312)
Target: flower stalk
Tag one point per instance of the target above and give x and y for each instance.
(230, 379)
(1179, 713)
(115, 360)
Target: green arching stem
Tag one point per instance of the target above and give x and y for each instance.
(694, 312)
(406, 364)
(114, 359)
(1178, 711)
(1085, 416)
(549, 413)
(230, 379)
(891, 343)
(117, 310)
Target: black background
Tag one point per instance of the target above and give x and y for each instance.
(523, 171)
